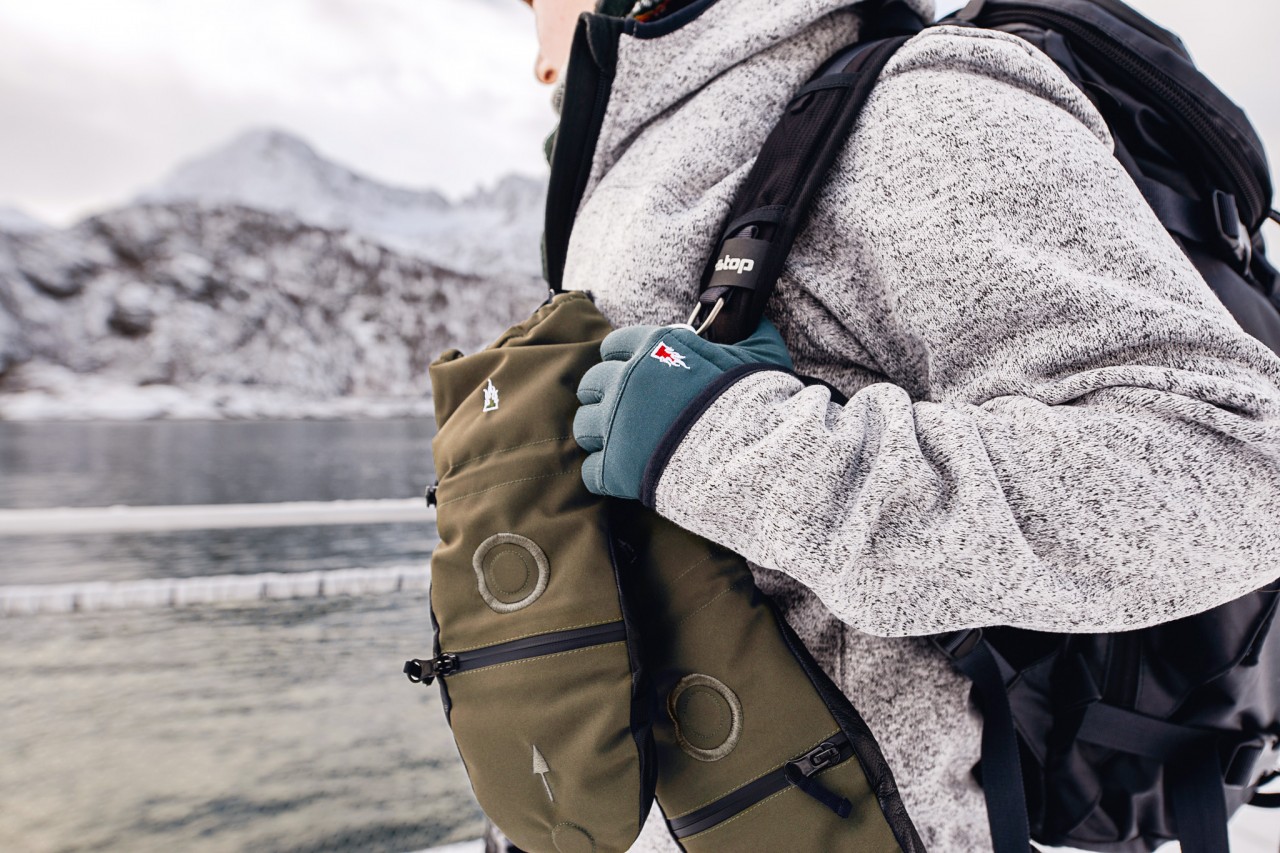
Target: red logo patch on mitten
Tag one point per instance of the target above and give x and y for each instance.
(668, 356)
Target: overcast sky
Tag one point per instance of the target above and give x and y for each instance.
(100, 97)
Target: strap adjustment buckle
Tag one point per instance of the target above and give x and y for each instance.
(958, 644)
(1249, 761)
(1232, 230)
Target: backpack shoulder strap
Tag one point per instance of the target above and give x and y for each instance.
(773, 204)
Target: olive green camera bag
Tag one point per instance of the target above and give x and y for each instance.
(552, 607)
(535, 656)
(757, 749)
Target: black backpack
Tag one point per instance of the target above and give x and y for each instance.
(1110, 742)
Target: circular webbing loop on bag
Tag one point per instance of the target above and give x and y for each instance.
(511, 572)
(707, 716)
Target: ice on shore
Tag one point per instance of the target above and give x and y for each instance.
(54, 393)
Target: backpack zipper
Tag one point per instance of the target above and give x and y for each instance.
(798, 772)
(451, 663)
(1184, 105)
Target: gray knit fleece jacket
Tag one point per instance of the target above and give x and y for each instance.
(1052, 423)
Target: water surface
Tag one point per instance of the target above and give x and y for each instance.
(173, 462)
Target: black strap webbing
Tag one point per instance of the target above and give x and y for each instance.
(1127, 731)
(1192, 769)
(1183, 216)
(1193, 784)
(774, 202)
(1001, 766)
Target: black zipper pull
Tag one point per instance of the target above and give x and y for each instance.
(801, 771)
(427, 671)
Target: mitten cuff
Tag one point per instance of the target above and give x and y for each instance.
(684, 422)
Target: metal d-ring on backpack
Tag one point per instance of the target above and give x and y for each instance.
(1109, 742)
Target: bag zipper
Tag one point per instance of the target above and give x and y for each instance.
(451, 663)
(798, 772)
(1184, 105)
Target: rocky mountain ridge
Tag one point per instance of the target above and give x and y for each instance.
(222, 294)
(494, 229)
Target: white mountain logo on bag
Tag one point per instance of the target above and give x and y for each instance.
(668, 356)
(490, 397)
(732, 264)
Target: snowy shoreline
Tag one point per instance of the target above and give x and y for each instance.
(65, 396)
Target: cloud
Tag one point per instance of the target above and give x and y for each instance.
(101, 98)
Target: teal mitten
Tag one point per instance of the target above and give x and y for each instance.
(650, 377)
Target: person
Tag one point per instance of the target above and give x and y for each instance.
(1051, 422)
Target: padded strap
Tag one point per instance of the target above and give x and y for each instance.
(774, 203)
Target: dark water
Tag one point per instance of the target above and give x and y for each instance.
(159, 463)
(164, 463)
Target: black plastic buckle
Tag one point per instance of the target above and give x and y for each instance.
(431, 494)
(1250, 760)
(1232, 230)
(958, 644)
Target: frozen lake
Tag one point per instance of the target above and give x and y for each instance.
(274, 725)
(174, 463)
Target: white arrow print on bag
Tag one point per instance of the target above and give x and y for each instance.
(541, 768)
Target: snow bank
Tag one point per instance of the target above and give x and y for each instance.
(216, 589)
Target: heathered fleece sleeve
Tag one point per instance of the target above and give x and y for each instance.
(1073, 434)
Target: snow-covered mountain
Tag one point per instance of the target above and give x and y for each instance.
(15, 221)
(494, 230)
(261, 281)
